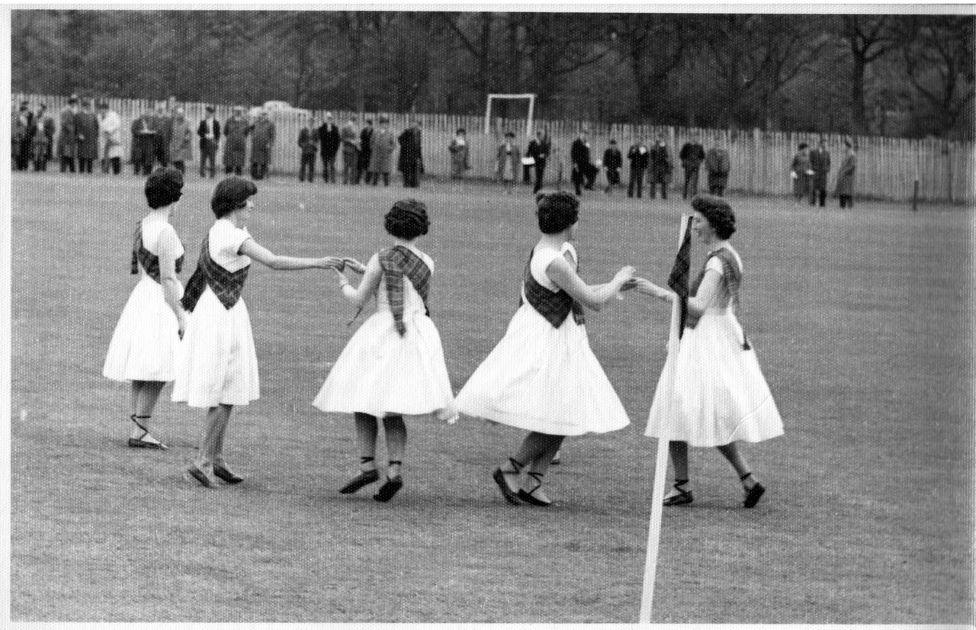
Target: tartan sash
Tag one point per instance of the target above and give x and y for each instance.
(148, 260)
(226, 285)
(398, 262)
(731, 281)
(555, 306)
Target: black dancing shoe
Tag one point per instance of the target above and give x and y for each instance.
(226, 475)
(364, 478)
(388, 489)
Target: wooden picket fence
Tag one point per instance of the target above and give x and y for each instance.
(887, 168)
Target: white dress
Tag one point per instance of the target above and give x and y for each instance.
(144, 344)
(542, 378)
(216, 361)
(379, 372)
(712, 392)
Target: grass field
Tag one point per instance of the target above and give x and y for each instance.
(862, 321)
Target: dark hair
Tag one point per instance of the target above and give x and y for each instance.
(461, 130)
(556, 211)
(163, 187)
(802, 146)
(407, 219)
(717, 212)
(231, 194)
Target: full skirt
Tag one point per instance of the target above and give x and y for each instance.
(544, 379)
(379, 372)
(146, 337)
(216, 361)
(712, 392)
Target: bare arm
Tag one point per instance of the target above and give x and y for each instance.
(251, 248)
(591, 296)
(706, 292)
(642, 285)
(358, 296)
(171, 286)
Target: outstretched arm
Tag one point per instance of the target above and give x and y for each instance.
(358, 296)
(642, 285)
(591, 296)
(251, 248)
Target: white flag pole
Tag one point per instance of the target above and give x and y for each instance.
(661, 463)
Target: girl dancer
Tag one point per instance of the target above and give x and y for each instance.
(217, 366)
(394, 364)
(144, 343)
(719, 395)
(542, 375)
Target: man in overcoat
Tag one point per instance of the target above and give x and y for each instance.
(262, 141)
(236, 130)
(820, 163)
(692, 154)
(209, 133)
(329, 141)
(67, 139)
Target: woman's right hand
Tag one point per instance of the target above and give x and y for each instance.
(624, 275)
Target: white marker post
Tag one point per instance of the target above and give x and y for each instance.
(661, 463)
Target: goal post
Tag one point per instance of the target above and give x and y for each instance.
(528, 117)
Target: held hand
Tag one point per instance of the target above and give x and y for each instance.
(629, 285)
(625, 274)
(354, 265)
(330, 262)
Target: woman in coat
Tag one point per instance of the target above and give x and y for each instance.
(845, 177)
(181, 142)
(381, 152)
(459, 154)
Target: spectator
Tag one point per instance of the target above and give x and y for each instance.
(19, 134)
(329, 141)
(459, 154)
(801, 172)
(86, 132)
(584, 172)
(660, 167)
(365, 151)
(409, 162)
(845, 176)
(539, 149)
(508, 160)
(181, 141)
(42, 138)
(350, 151)
(308, 143)
(381, 152)
(638, 156)
(67, 139)
(144, 143)
(820, 163)
(612, 161)
(692, 155)
(209, 134)
(110, 131)
(236, 130)
(262, 140)
(22, 131)
(718, 166)
(164, 131)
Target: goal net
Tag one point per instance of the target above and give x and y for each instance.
(500, 104)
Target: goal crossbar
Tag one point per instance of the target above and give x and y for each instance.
(528, 118)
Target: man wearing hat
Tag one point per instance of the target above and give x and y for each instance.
(86, 130)
(67, 140)
(21, 136)
(110, 132)
(820, 164)
(209, 133)
(329, 141)
(262, 142)
(42, 138)
(235, 141)
(144, 133)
